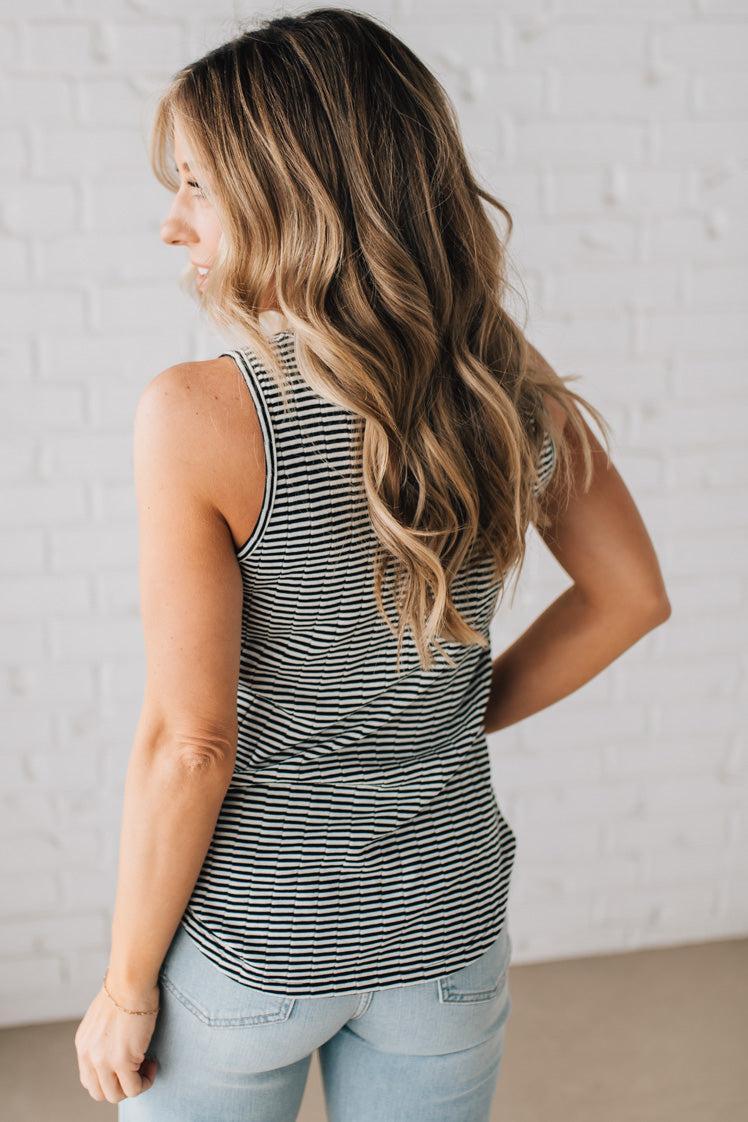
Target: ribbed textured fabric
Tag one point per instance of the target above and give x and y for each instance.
(360, 845)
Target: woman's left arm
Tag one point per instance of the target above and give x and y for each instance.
(184, 748)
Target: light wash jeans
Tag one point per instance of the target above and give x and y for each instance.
(423, 1052)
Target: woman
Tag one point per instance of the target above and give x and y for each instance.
(312, 856)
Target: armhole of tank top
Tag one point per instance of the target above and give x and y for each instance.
(268, 442)
(545, 464)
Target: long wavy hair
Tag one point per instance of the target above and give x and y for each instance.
(335, 161)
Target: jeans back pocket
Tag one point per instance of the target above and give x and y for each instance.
(482, 979)
(212, 996)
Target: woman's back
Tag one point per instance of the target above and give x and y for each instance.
(359, 844)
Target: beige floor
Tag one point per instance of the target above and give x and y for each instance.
(651, 1036)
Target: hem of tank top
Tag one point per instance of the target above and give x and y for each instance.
(474, 956)
(251, 380)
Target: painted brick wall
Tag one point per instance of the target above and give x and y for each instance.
(617, 136)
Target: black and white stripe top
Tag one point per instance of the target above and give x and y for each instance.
(360, 845)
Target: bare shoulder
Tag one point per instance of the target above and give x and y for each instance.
(201, 414)
(556, 412)
(538, 364)
(194, 390)
(203, 400)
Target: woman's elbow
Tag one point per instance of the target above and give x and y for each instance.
(651, 605)
(637, 606)
(661, 609)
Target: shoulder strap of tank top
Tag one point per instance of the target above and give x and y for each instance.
(250, 371)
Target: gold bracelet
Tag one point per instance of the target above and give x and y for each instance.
(138, 1012)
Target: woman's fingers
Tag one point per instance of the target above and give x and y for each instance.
(148, 1070)
(134, 1082)
(90, 1080)
(111, 1086)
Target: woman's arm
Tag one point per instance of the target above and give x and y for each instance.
(618, 594)
(184, 749)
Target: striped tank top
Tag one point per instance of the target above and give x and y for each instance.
(359, 845)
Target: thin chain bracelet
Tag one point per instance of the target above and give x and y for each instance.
(137, 1012)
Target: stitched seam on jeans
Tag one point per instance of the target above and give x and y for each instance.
(184, 1000)
(282, 1014)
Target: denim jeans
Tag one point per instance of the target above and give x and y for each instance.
(422, 1052)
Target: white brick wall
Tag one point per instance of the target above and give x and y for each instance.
(617, 136)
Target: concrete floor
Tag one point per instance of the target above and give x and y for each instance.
(649, 1036)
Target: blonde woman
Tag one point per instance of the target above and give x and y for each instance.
(312, 856)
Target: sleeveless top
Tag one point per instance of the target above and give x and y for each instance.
(359, 845)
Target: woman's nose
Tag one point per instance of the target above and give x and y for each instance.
(174, 231)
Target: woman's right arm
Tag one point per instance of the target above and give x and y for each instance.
(617, 595)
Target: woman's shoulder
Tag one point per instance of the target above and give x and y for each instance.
(199, 399)
(555, 411)
(204, 413)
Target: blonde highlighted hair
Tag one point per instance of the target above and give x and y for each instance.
(334, 159)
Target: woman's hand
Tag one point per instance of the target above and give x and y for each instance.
(111, 1046)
